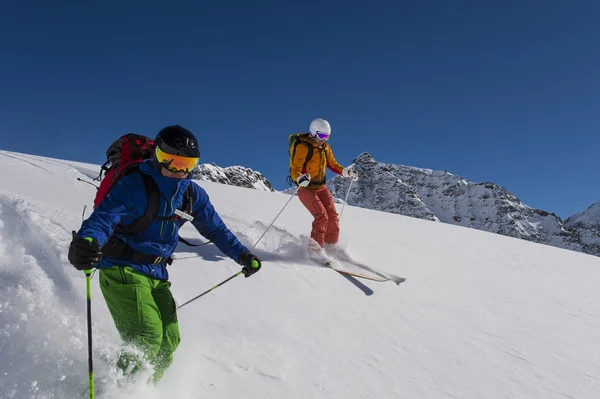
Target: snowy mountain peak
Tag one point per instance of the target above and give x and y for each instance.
(589, 217)
(441, 196)
(585, 226)
(233, 176)
(366, 158)
(378, 188)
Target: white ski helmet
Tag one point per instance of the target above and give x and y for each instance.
(319, 125)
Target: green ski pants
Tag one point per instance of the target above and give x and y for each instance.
(144, 313)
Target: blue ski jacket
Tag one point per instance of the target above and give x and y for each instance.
(127, 202)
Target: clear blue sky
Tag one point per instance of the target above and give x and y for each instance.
(501, 91)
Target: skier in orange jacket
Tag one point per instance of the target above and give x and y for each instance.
(311, 155)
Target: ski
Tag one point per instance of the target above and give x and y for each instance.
(376, 275)
(331, 265)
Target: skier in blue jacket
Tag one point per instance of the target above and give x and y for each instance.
(133, 264)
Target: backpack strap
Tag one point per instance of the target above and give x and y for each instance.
(117, 249)
(103, 169)
(309, 155)
(310, 152)
(187, 207)
(189, 244)
(153, 196)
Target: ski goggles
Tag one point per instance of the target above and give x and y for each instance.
(323, 136)
(175, 163)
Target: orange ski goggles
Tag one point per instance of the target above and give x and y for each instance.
(175, 163)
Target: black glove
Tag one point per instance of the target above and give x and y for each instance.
(250, 263)
(83, 253)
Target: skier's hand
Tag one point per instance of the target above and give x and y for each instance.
(251, 263)
(84, 253)
(303, 180)
(350, 172)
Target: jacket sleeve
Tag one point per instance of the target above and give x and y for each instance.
(119, 203)
(299, 158)
(211, 226)
(332, 164)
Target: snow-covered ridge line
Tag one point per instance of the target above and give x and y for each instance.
(442, 196)
(232, 175)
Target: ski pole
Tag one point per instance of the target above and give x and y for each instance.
(88, 277)
(286, 204)
(346, 200)
(212, 289)
(88, 288)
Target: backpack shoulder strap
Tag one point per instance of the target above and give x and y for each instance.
(187, 207)
(298, 138)
(308, 155)
(153, 196)
(103, 169)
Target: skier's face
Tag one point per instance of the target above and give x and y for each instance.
(321, 137)
(175, 175)
(320, 141)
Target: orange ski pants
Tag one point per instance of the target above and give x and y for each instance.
(325, 226)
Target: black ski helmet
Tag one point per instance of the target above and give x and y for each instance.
(177, 140)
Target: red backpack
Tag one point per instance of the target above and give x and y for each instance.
(122, 158)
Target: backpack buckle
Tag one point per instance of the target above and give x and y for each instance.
(161, 260)
(184, 215)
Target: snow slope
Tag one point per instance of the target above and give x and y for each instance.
(480, 315)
